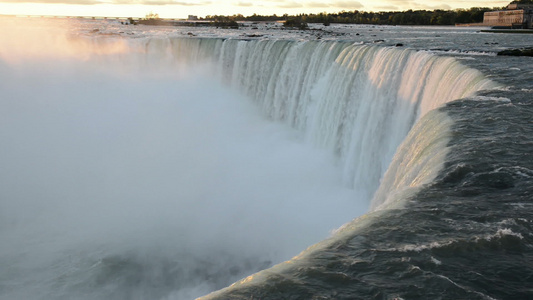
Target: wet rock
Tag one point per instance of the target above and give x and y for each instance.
(517, 52)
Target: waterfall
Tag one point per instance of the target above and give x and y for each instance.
(356, 101)
(136, 176)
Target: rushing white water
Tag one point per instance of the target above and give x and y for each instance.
(358, 102)
(417, 161)
(129, 157)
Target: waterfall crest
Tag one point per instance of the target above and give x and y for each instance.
(356, 101)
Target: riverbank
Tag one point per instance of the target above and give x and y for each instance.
(514, 31)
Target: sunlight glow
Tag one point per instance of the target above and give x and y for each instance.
(223, 7)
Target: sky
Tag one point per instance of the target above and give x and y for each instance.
(201, 8)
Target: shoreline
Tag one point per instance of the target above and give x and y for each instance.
(513, 31)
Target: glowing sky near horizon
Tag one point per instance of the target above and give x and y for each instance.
(183, 8)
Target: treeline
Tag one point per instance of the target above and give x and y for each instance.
(409, 17)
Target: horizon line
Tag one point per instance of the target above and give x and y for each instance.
(186, 19)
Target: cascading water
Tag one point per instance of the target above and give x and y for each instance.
(357, 102)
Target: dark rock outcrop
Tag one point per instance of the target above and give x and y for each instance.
(517, 52)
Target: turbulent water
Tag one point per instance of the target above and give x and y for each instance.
(155, 163)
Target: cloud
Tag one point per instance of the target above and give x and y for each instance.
(83, 2)
(338, 4)
(117, 2)
(159, 2)
(197, 3)
(348, 4)
(416, 5)
(402, 5)
(317, 5)
(387, 8)
(290, 5)
(244, 4)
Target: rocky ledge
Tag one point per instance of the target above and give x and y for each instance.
(517, 52)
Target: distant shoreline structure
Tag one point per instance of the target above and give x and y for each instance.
(515, 16)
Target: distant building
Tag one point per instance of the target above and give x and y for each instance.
(192, 18)
(515, 16)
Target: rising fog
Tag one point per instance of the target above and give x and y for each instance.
(123, 176)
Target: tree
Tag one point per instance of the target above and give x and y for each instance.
(151, 16)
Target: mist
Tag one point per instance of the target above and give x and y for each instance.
(125, 181)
